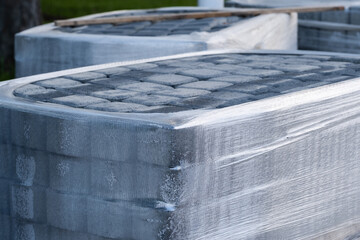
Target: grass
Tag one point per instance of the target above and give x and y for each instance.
(7, 71)
(55, 9)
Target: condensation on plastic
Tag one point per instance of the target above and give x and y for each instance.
(42, 49)
(285, 167)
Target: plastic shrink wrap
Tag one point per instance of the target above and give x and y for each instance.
(230, 145)
(48, 48)
(335, 31)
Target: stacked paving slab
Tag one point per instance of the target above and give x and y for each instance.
(49, 48)
(334, 31)
(222, 145)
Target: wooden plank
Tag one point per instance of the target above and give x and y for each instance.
(174, 16)
(328, 25)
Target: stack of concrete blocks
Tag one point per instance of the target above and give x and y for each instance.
(48, 48)
(223, 145)
(334, 31)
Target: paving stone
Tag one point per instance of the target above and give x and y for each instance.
(169, 79)
(309, 77)
(59, 83)
(78, 101)
(296, 68)
(113, 71)
(236, 79)
(247, 88)
(259, 72)
(224, 95)
(86, 76)
(230, 68)
(86, 89)
(283, 85)
(142, 66)
(200, 102)
(118, 107)
(165, 69)
(203, 73)
(151, 32)
(152, 100)
(206, 85)
(34, 91)
(158, 85)
(114, 82)
(145, 87)
(183, 92)
(115, 95)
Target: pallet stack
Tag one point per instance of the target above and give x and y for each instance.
(223, 145)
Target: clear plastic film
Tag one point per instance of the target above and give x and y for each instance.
(284, 167)
(45, 49)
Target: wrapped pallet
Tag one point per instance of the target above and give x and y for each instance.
(49, 48)
(335, 31)
(214, 145)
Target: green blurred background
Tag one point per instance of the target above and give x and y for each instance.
(62, 9)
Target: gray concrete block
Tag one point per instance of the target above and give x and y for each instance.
(113, 71)
(115, 95)
(35, 92)
(27, 130)
(114, 82)
(236, 79)
(259, 72)
(249, 89)
(145, 87)
(206, 85)
(110, 219)
(224, 95)
(169, 79)
(336, 16)
(28, 203)
(67, 136)
(152, 100)
(143, 66)
(78, 100)
(297, 68)
(83, 77)
(183, 92)
(203, 73)
(86, 89)
(69, 175)
(66, 211)
(119, 107)
(59, 83)
(283, 85)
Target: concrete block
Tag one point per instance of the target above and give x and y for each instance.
(78, 100)
(66, 137)
(170, 79)
(28, 203)
(110, 219)
(152, 100)
(69, 175)
(66, 211)
(120, 106)
(28, 130)
(206, 85)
